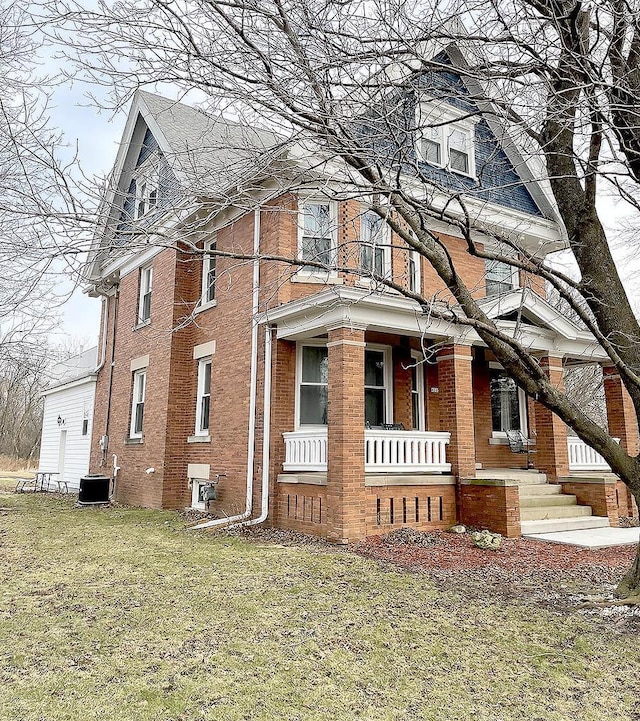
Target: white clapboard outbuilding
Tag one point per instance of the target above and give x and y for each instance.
(68, 413)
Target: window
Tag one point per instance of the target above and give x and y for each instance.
(417, 392)
(313, 386)
(137, 405)
(413, 271)
(376, 382)
(318, 232)
(203, 401)
(446, 140)
(147, 181)
(208, 273)
(508, 403)
(85, 426)
(374, 249)
(499, 277)
(144, 300)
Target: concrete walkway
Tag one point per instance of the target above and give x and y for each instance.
(592, 537)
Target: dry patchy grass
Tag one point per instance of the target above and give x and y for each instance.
(122, 615)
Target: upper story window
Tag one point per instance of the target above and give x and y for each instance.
(317, 232)
(413, 271)
(374, 248)
(147, 182)
(208, 273)
(446, 139)
(144, 297)
(499, 277)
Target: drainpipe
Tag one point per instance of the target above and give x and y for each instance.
(105, 320)
(116, 298)
(253, 385)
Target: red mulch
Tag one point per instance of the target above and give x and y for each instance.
(456, 552)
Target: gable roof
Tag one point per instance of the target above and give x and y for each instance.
(206, 155)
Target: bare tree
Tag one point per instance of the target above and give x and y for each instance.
(340, 80)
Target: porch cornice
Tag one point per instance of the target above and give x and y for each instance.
(345, 306)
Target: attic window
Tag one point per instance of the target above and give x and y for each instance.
(147, 182)
(446, 139)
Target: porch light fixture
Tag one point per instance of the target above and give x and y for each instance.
(60, 421)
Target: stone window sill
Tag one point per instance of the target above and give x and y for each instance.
(199, 439)
(205, 306)
(133, 441)
(142, 324)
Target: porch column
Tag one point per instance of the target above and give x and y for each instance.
(621, 415)
(456, 407)
(552, 453)
(346, 493)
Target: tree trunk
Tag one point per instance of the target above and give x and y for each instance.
(629, 586)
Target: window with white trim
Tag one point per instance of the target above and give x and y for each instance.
(374, 245)
(413, 271)
(499, 277)
(446, 139)
(208, 273)
(147, 187)
(377, 383)
(313, 385)
(203, 399)
(508, 403)
(317, 239)
(137, 403)
(417, 391)
(144, 297)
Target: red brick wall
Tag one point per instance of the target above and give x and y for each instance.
(600, 496)
(302, 507)
(494, 507)
(552, 454)
(421, 507)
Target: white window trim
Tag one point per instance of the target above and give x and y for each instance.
(388, 378)
(318, 273)
(137, 376)
(298, 380)
(206, 267)
(145, 286)
(446, 119)
(523, 409)
(515, 276)
(417, 358)
(147, 175)
(202, 363)
(414, 281)
(384, 244)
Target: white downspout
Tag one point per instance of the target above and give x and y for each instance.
(105, 321)
(253, 385)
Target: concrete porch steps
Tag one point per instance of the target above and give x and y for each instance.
(547, 500)
(543, 513)
(554, 525)
(521, 476)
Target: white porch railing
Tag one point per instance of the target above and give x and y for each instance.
(384, 451)
(583, 458)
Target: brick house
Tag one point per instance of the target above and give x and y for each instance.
(318, 400)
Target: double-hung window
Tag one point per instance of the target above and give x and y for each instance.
(313, 372)
(208, 273)
(147, 182)
(417, 391)
(203, 401)
(499, 277)
(377, 401)
(413, 271)
(144, 296)
(374, 248)
(508, 403)
(137, 404)
(446, 139)
(317, 233)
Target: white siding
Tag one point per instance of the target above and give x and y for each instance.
(72, 405)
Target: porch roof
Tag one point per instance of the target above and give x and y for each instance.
(541, 328)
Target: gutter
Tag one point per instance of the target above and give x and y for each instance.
(243, 519)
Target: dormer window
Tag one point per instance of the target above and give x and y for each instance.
(446, 139)
(499, 277)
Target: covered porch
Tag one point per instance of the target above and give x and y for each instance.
(380, 414)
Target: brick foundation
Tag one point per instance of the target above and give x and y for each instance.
(492, 504)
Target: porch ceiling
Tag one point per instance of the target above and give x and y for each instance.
(549, 331)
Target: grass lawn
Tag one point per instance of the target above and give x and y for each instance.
(121, 615)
